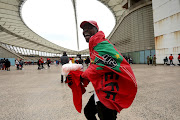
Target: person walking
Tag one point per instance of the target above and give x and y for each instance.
(48, 62)
(154, 60)
(179, 58)
(42, 62)
(39, 64)
(148, 60)
(21, 63)
(17, 63)
(171, 59)
(64, 59)
(8, 64)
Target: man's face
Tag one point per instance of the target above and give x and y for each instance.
(88, 31)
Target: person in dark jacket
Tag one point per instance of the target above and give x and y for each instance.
(64, 60)
(39, 64)
(165, 60)
(7, 64)
(80, 61)
(150, 59)
(48, 62)
(1, 64)
(87, 61)
(21, 63)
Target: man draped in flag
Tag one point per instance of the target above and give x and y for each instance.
(111, 76)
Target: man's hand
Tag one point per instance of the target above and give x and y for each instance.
(69, 80)
(84, 81)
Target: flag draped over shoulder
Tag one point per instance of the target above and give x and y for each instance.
(110, 74)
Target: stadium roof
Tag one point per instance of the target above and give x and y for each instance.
(14, 32)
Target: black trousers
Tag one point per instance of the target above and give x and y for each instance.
(61, 78)
(48, 65)
(150, 61)
(103, 112)
(171, 62)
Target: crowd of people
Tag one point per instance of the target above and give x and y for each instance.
(64, 59)
(79, 60)
(171, 60)
(41, 63)
(151, 60)
(5, 64)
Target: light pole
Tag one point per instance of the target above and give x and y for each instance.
(74, 6)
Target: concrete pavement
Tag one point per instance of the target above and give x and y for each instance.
(32, 94)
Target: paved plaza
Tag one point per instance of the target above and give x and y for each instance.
(32, 94)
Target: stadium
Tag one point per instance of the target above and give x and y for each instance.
(142, 28)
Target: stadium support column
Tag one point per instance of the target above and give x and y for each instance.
(74, 5)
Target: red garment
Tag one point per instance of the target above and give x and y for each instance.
(115, 88)
(77, 88)
(170, 57)
(179, 57)
(42, 60)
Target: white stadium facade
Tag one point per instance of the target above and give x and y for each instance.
(142, 28)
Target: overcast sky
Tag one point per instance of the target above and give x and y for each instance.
(54, 20)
